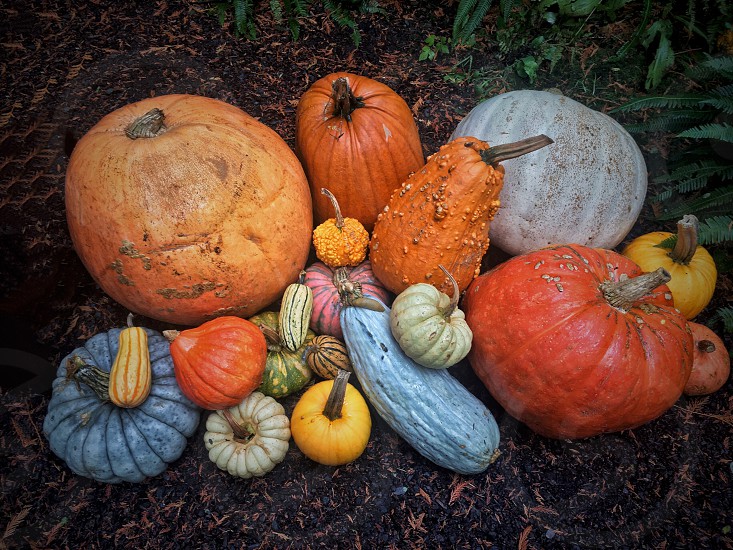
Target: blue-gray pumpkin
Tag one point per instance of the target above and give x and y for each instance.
(99, 440)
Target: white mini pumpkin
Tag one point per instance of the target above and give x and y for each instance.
(587, 188)
(250, 439)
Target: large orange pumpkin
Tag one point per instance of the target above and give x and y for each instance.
(356, 137)
(575, 341)
(184, 208)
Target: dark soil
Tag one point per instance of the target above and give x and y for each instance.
(668, 484)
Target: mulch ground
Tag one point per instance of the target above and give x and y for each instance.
(668, 484)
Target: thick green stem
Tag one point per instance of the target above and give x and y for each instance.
(147, 126)
(344, 100)
(79, 371)
(494, 155)
(686, 245)
(623, 294)
(335, 402)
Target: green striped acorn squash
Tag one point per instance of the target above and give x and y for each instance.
(286, 372)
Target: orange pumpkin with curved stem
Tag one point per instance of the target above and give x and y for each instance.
(356, 137)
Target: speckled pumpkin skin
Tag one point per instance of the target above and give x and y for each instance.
(558, 357)
(107, 443)
(588, 188)
(439, 216)
(181, 227)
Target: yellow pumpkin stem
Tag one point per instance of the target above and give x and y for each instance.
(344, 100)
(241, 434)
(147, 126)
(623, 294)
(686, 245)
(335, 402)
(456, 293)
(494, 155)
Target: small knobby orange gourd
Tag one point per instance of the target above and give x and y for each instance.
(339, 241)
(441, 215)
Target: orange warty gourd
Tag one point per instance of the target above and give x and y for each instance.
(184, 208)
(441, 215)
(356, 137)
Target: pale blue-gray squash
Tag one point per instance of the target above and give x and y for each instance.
(428, 408)
(107, 443)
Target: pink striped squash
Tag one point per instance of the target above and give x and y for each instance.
(327, 302)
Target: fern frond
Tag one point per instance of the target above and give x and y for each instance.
(721, 103)
(715, 230)
(469, 15)
(672, 121)
(276, 8)
(718, 201)
(724, 314)
(721, 132)
(712, 67)
(660, 102)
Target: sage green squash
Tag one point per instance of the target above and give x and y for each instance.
(428, 408)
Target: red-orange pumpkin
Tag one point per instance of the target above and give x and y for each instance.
(184, 208)
(356, 137)
(332, 287)
(219, 363)
(711, 362)
(570, 341)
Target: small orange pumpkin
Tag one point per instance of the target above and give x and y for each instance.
(339, 241)
(710, 362)
(219, 363)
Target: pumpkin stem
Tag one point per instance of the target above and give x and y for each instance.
(79, 371)
(149, 125)
(456, 293)
(350, 291)
(344, 100)
(623, 294)
(336, 207)
(706, 346)
(494, 155)
(242, 434)
(271, 336)
(686, 245)
(335, 402)
(130, 317)
(171, 334)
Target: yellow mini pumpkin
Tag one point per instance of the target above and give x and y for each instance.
(331, 423)
(692, 267)
(340, 241)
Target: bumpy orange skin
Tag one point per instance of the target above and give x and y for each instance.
(211, 217)
(361, 160)
(440, 216)
(558, 357)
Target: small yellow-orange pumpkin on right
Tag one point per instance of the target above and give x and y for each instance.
(691, 266)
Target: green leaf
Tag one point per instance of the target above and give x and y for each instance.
(663, 60)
